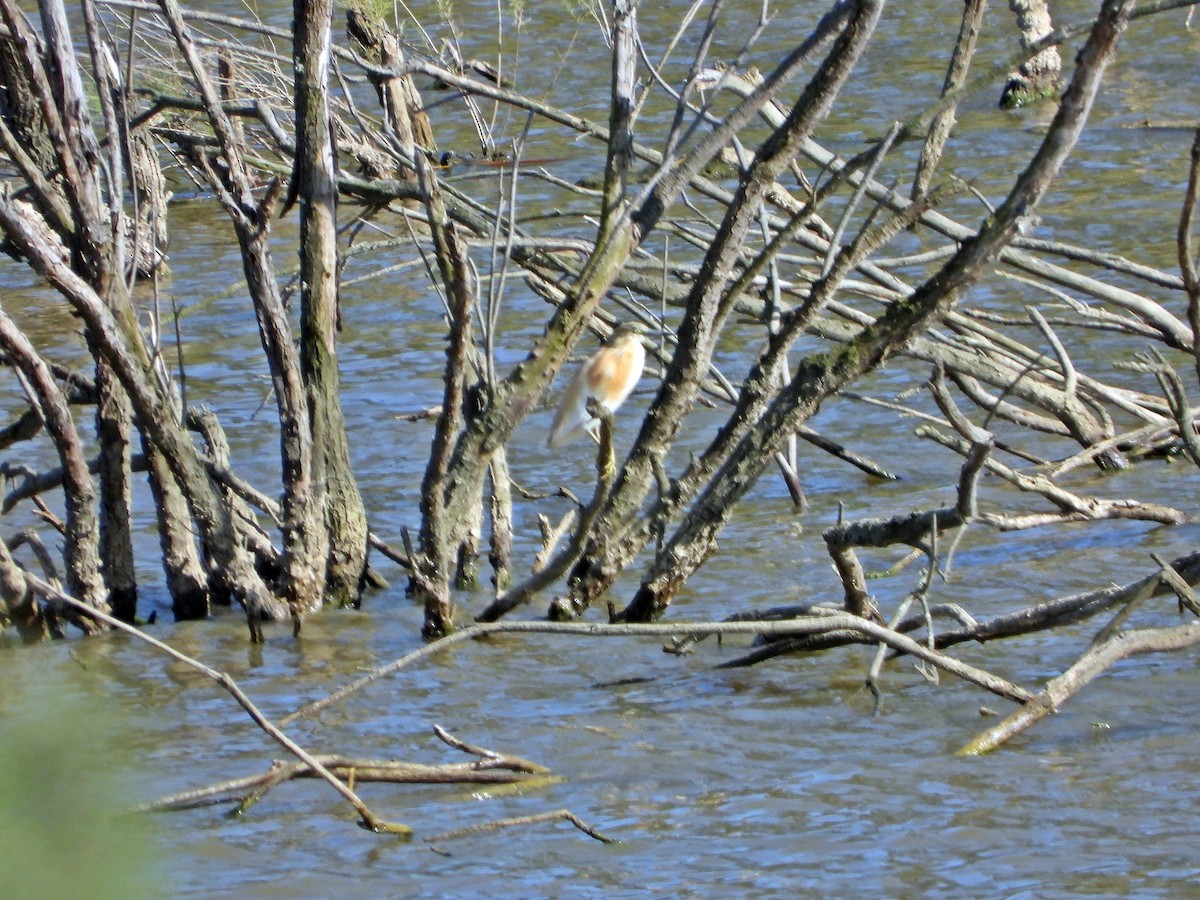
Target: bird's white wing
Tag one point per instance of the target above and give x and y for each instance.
(572, 418)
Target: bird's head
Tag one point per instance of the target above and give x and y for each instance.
(627, 330)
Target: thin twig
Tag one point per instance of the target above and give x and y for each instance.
(368, 819)
(524, 820)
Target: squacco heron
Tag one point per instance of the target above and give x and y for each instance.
(608, 376)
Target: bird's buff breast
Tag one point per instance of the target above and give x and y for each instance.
(614, 373)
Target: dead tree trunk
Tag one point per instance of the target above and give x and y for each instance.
(60, 247)
(187, 582)
(124, 350)
(305, 538)
(445, 533)
(335, 493)
(50, 73)
(114, 424)
(403, 114)
(819, 376)
(81, 535)
(1039, 78)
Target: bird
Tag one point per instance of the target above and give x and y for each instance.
(608, 376)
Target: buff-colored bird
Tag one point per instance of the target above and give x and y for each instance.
(608, 375)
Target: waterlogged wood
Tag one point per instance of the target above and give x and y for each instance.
(348, 769)
(187, 582)
(303, 563)
(102, 551)
(1065, 611)
(96, 250)
(1058, 613)
(114, 429)
(309, 543)
(238, 495)
(324, 528)
(490, 768)
(127, 354)
(520, 821)
(20, 605)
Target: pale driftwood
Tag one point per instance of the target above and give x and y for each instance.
(1092, 663)
(1069, 610)
(345, 768)
(1072, 507)
(1052, 614)
(490, 768)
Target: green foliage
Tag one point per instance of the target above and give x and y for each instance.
(1017, 97)
(64, 828)
(446, 13)
(581, 9)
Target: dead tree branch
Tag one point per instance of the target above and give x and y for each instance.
(1095, 661)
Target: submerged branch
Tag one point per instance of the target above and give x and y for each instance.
(368, 819)
(490, 768)
(554, 816)
(814, 624)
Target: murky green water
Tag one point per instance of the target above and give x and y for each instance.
(753, 782)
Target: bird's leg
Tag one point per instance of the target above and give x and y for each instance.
(668, 497)
(606, 465)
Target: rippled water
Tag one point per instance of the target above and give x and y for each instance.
(717, 782)
(770, 780)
